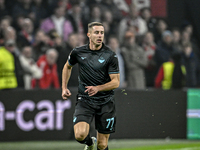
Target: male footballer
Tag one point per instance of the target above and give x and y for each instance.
(98, 77)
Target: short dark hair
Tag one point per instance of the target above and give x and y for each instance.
(90, 25)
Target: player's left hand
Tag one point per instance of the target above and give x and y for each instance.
(92, 90)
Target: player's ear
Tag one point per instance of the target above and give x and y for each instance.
(88, 34)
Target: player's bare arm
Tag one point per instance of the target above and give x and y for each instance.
(113, 84)
(66, 73)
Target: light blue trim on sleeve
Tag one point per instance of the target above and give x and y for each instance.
(113, 72)
(69, 63)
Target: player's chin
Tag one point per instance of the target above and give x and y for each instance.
(99, 42)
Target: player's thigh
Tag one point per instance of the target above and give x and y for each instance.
(105, 120)
(83, 116)
(83, 113)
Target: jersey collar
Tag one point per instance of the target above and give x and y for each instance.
(88, 47)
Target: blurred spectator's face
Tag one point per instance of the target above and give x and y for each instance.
(146, 14)
(10, 47)
(129, 41)
(176, 36)
(96, 12)
(76, 9)
(10, 33)
(106, 27)
(185, 36)
(162, 26)
(149, 38)
(51, 58)
(167, 39)
(28, 25)
(108, 16)
(133, 11)
(20, 21)
(4, 24)
(40, 36)
(188, 51)
(113, 43)
(189, 29)
(73, 40)
(27, 52)
(60, 12)
(81, 39)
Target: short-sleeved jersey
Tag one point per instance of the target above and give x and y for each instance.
(94, 69)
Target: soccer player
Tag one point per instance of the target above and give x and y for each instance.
(98, 76)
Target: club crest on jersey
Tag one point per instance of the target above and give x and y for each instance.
(83, 58)
(101, 59)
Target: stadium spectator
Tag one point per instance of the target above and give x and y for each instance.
(186, 38)
(171, 74)
(4, 23)
(62, 59)
(133, 20)
(110, 5)
(10, 45)
(26, 35)
(191, 63)
(59, 22)
(108, 19)
(150, 21)
(31, 70)
(18, 22)
(95, 14)
(161, 27)
(10, 34)
(149, 47)
(176, 40)
(8, 79)
(60, 46)
(41, 44)
(135, 62)
(114, 45)
(164, 49)
(48, 65)
(75, 17)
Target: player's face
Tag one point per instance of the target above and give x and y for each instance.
(96, 35)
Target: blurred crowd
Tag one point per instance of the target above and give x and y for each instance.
(36, 37)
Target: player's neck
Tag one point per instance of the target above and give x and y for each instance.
(95, 47)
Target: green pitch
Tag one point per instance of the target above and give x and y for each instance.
(113, 145)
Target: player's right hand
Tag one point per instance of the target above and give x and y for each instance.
(66, 93)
